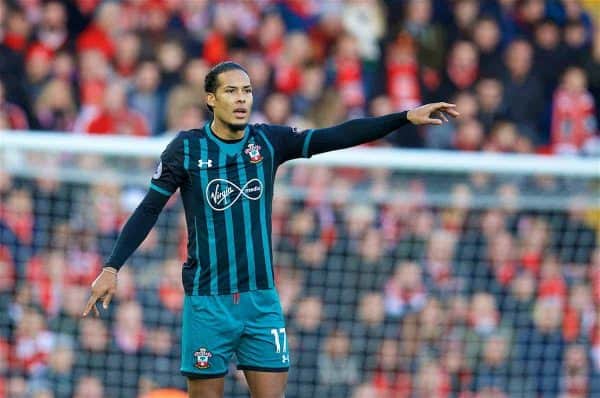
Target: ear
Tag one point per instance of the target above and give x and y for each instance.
(210, 99)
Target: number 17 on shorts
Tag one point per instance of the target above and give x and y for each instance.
(280, 339)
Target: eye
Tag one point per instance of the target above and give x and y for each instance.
(249, 91)
(229, 90)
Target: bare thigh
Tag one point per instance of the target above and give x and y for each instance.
(206, 388)
(266, 384)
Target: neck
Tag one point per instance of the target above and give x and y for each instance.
(226, 131)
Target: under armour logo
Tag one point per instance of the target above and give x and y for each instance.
(285, 358)
(208, 163)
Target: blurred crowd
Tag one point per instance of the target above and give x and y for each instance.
(386, 292)
(524, 73)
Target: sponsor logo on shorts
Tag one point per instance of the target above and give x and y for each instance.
(201, 358)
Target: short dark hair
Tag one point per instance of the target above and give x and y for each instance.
(211, 81)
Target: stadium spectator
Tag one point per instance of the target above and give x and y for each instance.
(469, 136)
(306, 332)
(55, 107)
(94, 73)
(371, 328)
(490, 99)
(494, 369)
(33, 343)
(47, 273)
(346, 71)
(573, 114)
(429, 35)
(38, 65)
(52, 31)
(437, 263)
(405, 292)
(102, 33)
(575, 372)
(577, 42)
(146, 97)
(392, 377)
(591, 68)
(60, 369)
(461, 72)
(159, 360)
(15, 117)
(412, 244)
(165, 300)
(517, 306)
(89, 387)
(17, 215)
(189, 92)
(18, 29)
(432, 381)
(522, 88)
(115, 117)
(338, 368)
(549, 50)
(93, 348)
(543, 365)
(66, 321)
(487, 36)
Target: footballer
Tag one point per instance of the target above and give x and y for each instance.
(225, 172)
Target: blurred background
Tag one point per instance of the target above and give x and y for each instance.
(397, 279)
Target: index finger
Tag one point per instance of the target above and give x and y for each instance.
(445, 105)
(90, 304)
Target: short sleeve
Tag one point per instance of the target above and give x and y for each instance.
(289, 142)
(170, 173)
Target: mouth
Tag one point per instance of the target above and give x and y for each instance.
(240, 113)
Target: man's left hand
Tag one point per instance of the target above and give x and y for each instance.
(432, 113)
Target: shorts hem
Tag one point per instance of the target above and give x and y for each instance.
(262, 369)
(195, 376)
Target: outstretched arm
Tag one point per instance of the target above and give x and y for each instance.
(134, 232)
(360, 131)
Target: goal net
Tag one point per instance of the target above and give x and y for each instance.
(400, 273)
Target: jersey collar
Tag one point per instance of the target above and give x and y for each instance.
(230, 149)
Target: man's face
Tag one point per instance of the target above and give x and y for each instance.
(232, 100)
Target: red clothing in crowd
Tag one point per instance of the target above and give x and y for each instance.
(573, 121)
(17, 120)
(20, 223)
(553, 287)
(7, 270)
(46, 288)
(595, 277)
(288, 78)
(125, 122)
(349, 81)
(94, 38)
(215, 48)
(390, 385)
(31, 353)
(403, 75)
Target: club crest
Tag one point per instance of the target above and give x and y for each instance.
(202, 356)
(253, 152)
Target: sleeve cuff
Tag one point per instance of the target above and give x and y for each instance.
(160, 190)
(306, 145)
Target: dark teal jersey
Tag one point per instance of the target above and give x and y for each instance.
(227, 191)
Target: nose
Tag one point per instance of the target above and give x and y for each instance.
(241, 98)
